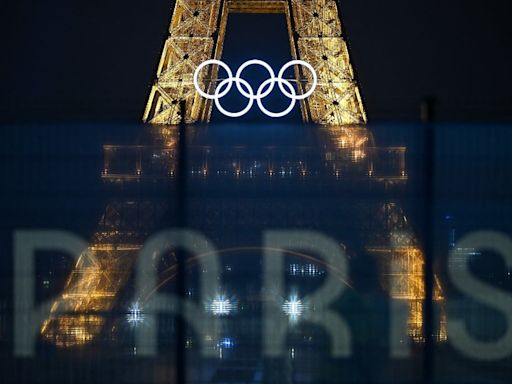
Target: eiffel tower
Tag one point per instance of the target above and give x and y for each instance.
(197, 33)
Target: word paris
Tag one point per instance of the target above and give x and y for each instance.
(28, 316)
(263, 91)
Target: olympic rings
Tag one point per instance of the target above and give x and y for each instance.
(310, 68)
(255, 62)
(196, 78)
(245, 89)
(230, 83)
(292, 98)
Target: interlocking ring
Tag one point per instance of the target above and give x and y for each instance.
(293, 97)
(229, 83)
(196, 78)
(245, 89)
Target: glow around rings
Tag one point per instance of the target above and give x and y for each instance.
(245, 89)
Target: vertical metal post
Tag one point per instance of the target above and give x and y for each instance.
(427, 116)
(181, 218)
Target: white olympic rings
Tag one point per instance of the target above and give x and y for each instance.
(245, 89)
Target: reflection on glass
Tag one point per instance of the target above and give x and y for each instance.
(78, 315)
(349, 156)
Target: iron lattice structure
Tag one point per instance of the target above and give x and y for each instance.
(197, 33)
(402, 272)
(78, 315)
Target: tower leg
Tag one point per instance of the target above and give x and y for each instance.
(197, 33)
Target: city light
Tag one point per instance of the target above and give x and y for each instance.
(220, 306)
(308, 270)
(135, 315)
(293, 308)
(226, 343)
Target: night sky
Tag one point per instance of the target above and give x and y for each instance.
(95, 60)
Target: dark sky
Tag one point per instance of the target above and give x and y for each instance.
(94, 60)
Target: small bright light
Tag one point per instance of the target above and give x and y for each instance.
(220, 306)
(226, 343)
(293, 308)
(307, 270)
(135, 315)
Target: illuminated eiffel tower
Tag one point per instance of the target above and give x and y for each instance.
(197, 33)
